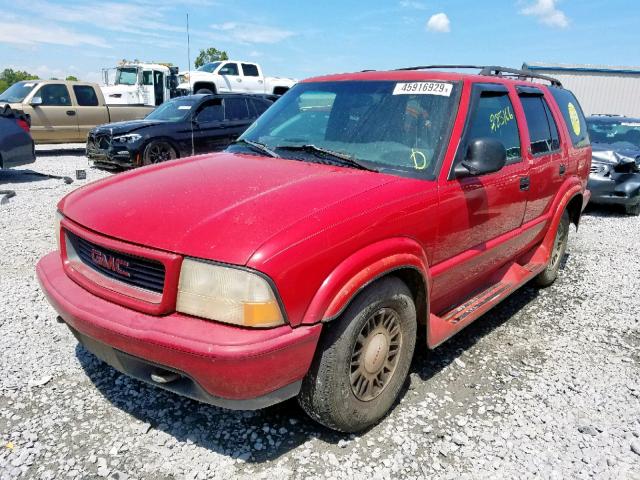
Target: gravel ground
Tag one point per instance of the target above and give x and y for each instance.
(547, 385)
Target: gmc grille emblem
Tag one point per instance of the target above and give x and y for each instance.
(110, 262)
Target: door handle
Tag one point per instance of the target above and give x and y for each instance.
(563, 168)
(238, 79)
(525, 183)
(71, 113)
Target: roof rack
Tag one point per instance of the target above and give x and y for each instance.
(492, 70)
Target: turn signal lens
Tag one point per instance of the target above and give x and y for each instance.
(227, 294)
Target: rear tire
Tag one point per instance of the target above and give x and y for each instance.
(363, 359)
(158, 151)
(204, 91)
(549, 275)
(633, 210)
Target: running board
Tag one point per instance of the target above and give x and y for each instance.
(508, 279)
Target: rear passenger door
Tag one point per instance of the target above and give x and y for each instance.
(544, 152)
(480, 212)
(54, 119)
(89, 112)
(237, 116)
(251, 80)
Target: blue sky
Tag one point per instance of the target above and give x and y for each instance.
(302, 39)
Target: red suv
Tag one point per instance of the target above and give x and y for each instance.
(304, 260)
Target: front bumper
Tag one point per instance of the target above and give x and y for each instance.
(617, 188)
(219, 364)
(116, 156)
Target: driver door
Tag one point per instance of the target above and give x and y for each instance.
(479, 215)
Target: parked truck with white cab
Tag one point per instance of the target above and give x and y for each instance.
(232, 76)
(137, 83)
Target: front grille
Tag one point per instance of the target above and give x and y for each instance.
(99, 142)
(595, 168)
(143, 273)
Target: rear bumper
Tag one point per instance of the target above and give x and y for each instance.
(219, 364)
(619, 188)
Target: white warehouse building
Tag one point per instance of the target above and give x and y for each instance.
(599, 89)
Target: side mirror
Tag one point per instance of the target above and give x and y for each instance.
(484, 155)
(35, 101)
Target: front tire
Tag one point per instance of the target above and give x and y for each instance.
(363, 359)
(632, 210)
(549, 274)
(204, 91)
(158, 151)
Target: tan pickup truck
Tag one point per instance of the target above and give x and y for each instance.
(65, 111)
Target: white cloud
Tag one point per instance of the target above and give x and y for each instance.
(252, 33)
(547, 13)
(413, 4)
(17, 33)
(439, 23)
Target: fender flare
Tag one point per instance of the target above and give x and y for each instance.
(563, 201)
(362, 268)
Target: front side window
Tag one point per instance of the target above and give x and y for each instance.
(229, 69)
(86, 95)
(250, 70)
(56, 95)
(543, 132)
(147, 77)
(493, 117)
(390, 126)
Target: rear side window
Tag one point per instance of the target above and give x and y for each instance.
(494, 118)
(573, 116)
(250, 70)
(55, 95)
(543, 132)
(85, 95)
(236, 109)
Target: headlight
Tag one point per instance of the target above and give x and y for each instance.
(129, 138)
(227, 295)
(56, 227)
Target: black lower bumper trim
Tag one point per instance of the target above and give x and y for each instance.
(141, 369)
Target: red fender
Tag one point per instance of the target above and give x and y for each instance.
(359, 270)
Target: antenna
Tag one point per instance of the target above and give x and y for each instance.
(193, 148)
(188, 51)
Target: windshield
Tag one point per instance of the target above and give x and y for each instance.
(624, 132)
(172, 110)
(17, 92)
(127, 76)
(209, 67)
(398, 127)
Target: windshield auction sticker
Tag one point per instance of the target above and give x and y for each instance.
(423, 88)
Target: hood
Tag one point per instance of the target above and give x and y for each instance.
(220, 207)
(120, 128)
(615, 154)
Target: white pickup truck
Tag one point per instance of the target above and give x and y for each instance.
(232, 76)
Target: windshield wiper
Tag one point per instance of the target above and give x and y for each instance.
(259, 147)
(338, 157)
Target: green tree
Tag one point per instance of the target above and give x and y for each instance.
(9, 76)
(210, 55)
(72, 78)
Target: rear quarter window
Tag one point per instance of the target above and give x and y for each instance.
(572, 115)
